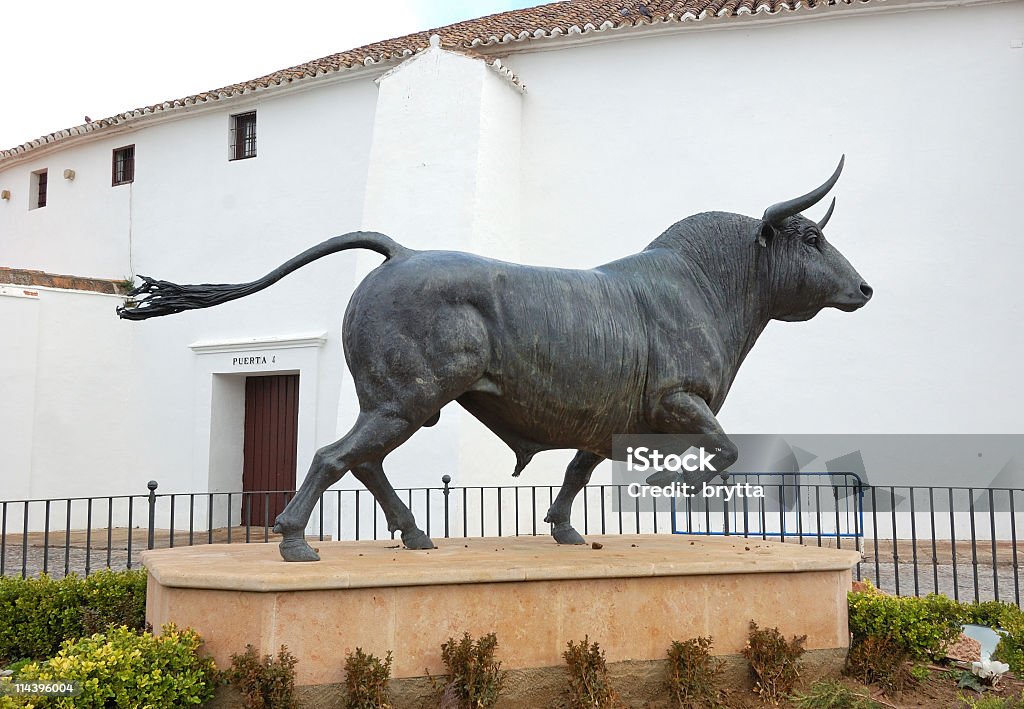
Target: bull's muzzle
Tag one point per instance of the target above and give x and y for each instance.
(858, 299)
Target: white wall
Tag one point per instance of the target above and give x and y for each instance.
(66, 428)
(19, 312)
(84, 227)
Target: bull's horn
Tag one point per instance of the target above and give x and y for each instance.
(777, 213)
(828, 215)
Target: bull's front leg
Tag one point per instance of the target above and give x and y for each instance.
(577, 475)
(680, 412)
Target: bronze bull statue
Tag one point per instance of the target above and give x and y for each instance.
(552, 358)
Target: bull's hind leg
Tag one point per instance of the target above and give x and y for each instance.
(373, 436)
(398, 515)
(577, 475)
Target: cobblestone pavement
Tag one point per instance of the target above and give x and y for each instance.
(940, 579)
(56, 564)
(57, 555)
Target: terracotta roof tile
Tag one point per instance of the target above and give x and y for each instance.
(41, 279)
(506, 28)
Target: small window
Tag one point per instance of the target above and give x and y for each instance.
(38, 190)
(123, 169)
(243, 136)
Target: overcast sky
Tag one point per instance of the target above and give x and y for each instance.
(62, 60)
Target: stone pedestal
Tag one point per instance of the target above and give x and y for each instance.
(634, 596)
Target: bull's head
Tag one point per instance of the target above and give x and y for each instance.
(806, 272)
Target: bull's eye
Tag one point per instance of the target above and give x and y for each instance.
(812, 240)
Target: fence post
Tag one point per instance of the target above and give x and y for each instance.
(152, 485)
(446, 479)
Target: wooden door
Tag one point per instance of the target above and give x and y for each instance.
(271, 440)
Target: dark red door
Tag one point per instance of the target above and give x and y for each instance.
(271, 438)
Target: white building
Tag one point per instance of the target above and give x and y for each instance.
(569, 134)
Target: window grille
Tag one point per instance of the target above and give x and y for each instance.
(123, 169)
(243, 136)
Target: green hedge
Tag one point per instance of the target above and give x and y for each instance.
(38, 614)
(923, 625)
(123, 668)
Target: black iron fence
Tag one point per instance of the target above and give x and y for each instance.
(961, 542)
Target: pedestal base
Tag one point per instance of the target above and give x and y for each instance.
(634, 596)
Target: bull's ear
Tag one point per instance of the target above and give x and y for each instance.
(766, 234)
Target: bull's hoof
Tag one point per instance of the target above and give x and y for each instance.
(295, 548)
(565, 534)
(417, 540)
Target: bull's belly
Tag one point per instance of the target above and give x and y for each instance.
(548, 423)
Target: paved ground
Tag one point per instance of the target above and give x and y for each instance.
(58, 555)
(930, 569)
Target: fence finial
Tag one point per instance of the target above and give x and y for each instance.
(152, 485)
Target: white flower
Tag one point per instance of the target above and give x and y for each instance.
(989, 669)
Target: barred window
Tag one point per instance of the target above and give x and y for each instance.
(123, 166)
(38, 190)
(243, 136)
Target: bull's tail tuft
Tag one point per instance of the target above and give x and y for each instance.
(153, 298)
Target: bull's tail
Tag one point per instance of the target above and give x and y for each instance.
(154, 298)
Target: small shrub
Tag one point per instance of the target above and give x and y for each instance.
(41, 613)
(1011, 645)
(920, 673)
(773, 661)
(113, 599)
(366, 681)
(123, 668)
(880, 660)
(475, 678)
(265, 682)
(694, 674)
(921, 625)
(832, 694)
(991, 702)
(988, 613)
(589, 687)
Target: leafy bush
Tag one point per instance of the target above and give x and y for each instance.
(920, 673)
(994, 702)
(366, 681)
(988, 613)
(832, 694)
(922, 626)
(588, 676)
(265, 682)
(774, 662)
(475, 678)
(1008, 618)
(694, 674)
(38, 614)
(881, 660)
(123, 668)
